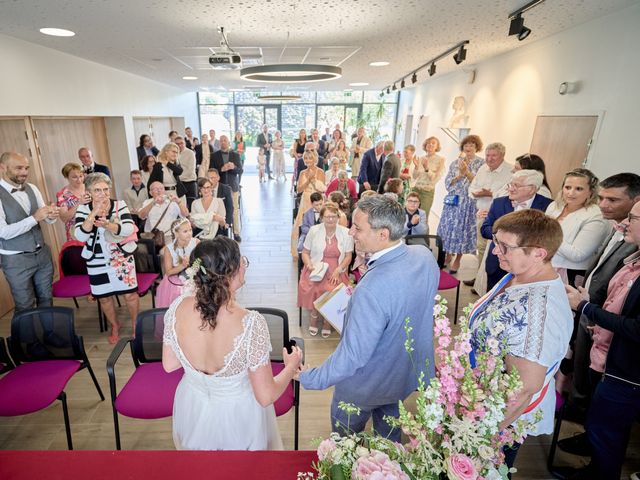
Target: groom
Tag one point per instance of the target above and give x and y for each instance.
(371, 368)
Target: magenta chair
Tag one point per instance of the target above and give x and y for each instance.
(46, 353)
(278, 323)
(446, 281)
(149, 392)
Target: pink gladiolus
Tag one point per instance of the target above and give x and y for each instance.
(460, 467)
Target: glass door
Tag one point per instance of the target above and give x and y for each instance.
(351, 116)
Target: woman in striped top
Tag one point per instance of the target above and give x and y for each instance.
(104, 225)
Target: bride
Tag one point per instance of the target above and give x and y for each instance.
(225, 398)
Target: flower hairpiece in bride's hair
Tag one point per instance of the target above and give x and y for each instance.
(193, 269)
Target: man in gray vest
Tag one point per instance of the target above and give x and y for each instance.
(24, 257)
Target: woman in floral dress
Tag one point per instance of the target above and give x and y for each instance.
(71, 196)
(106, 227)
(457, 226)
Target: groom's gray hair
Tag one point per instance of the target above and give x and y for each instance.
(384, 212)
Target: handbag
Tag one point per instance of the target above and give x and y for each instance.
(452, 199)
(155, 234)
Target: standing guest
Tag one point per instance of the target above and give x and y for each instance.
(195, 142)
(457, 227)
(406, 168)
(327, 135)
(345, 185)
(529, 161)
(227, 162)
(264, 141)
(189, 138)
(161, 210)
(221, 191)
(146, 167)
(25, 257)
(332, 173)
(489, 180)
(71, 196)
(297, 149)
(416, 221)
(278, 156)
(167, 171)
(224, 350)
(616, 403)
(342, 154)
(88, 165)
(239, 148)
(135, 196)
(102, 225)
(371, 368)
(203, 152)
(213, 141)
(175, 260)
(427, 172)
(523, 194)
(208, 212)
(311, 180)
(391, 165)
(332, 143)
(321, 148)
(371, 168)
(172, 136)
(146, 147)
(326, 254)
(360, 144)
(187, 160)
(529, 307)
(310, 218)
(582, 224)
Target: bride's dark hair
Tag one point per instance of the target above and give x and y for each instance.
(220, 259)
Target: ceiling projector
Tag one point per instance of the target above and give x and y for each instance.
(225, 58)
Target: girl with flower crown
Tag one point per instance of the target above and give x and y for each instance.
(175, 260)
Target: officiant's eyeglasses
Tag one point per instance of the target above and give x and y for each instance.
(504, 248)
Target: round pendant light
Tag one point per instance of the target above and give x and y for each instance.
(291, 73)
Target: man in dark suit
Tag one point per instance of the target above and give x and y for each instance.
(228, 163)
(264, 141)
(371, 167)
(321, 147)
(224, 192)
(522, 195)
(88, 165)
(390, 167)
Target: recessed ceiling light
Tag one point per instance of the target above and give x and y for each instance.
(358, 84)
(57, 32)
(189, 78)
(378, 64)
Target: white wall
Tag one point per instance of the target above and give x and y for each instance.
(511, 90)
(41, 81)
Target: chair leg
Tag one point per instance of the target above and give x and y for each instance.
(554, 439)
(455, 318)
(300, 316)
(95, 380)
(100, 316)
(153, 297)
(76, 302)
(118, 300)
(295, 426)
(67, 423)
(116, 427)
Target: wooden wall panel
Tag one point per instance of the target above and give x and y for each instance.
(157, 127)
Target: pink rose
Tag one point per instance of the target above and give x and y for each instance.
(325, 448)
(377, 466)
(460, 467)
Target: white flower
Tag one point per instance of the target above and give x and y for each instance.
(349, 444)
(485, 452)
(362, 452)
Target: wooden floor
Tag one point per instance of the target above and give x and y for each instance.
(271, 281)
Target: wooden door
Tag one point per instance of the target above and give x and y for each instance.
(563, 142)
(157, 127)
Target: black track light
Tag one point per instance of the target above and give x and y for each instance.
(516, 27)
(460, 56)
(388, 91)
(414, 77)
(432, 70)
(402, 83)
(394, 88)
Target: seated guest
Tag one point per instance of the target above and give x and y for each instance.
(167, 171)
(219, 190)
(416, 217)
(344, 205)
(345, 185)
(615, 406)
(582, 224)
(175, 260)
(103, 224)
(161, 210)
(523, 194)
(530, 307)
(207, 212)
(224, 350)
(71, 196)
(146, 166)
(88, 165)
(310, 218)
(395, 186)
(326, 255)
(203, 156)
(334, 168)
(135, 196)
(146, 148)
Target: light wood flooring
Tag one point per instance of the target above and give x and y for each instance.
(271, 281)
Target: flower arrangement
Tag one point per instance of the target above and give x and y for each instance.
(455, 430)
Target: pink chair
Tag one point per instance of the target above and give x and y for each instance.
(46, 353)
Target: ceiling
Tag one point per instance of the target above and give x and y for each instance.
(165, 40)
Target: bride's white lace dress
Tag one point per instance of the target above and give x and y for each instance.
(219, 411)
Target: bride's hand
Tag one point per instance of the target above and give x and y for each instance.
(294, 358)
